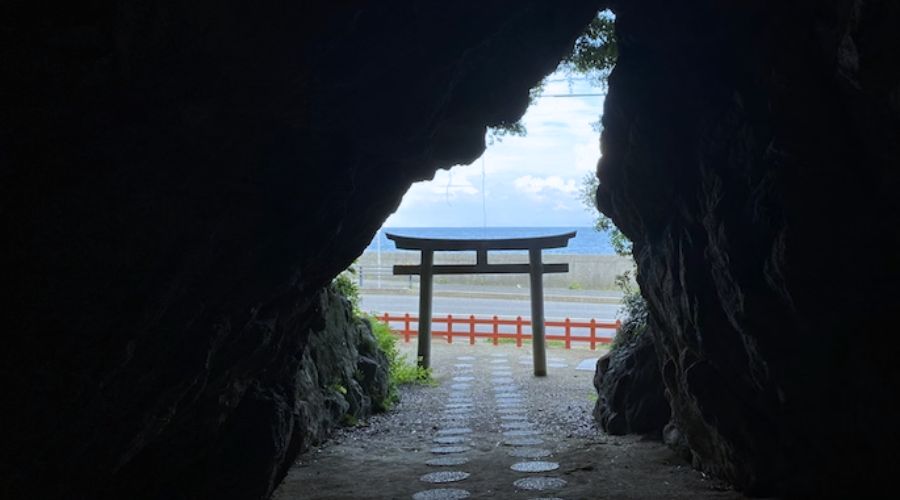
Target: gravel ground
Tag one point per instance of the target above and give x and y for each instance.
(488, 402)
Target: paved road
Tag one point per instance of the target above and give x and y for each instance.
(488, 307)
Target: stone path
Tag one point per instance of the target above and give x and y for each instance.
(508, 421)
(492, 430)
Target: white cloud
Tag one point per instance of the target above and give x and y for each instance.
(529, 181)
(536, 185)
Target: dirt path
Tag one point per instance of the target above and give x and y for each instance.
(487, 414)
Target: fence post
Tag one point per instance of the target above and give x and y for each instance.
(471, 329)
(449, 328)
(593, 334)
(518, 331)
(406, 331)
(568, 334)
(496, 330)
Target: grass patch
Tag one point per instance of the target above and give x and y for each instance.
(400, 369)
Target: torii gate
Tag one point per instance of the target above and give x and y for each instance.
(535, 268)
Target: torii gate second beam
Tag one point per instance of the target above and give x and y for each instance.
(535, 268)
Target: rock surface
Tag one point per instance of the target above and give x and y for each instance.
(751, 154)
(631, 395)
(177, 185)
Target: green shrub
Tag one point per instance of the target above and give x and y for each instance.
(400, 369)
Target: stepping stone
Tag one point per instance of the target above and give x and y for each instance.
(463, 365)
(529, 452)
(459, 395)
(499, 355)
(446, 461)
(534, 466)
(523, 442)
(458, 411)
(557, 360)
(524, 361)
(514, 417)
(514, 425)
(450, 439)
(463, 379)
(499, 380)
(557, 365)
(441, 494)
(466, 358)
(446, 450)
(502, 373)
(510, 411)
(455, 430)
(460, 387)
(588, 365)
(512, 404)
(506, 388)
(458, 405)
(498, 361)
(521, 433)
(539, 483)
(444, 476)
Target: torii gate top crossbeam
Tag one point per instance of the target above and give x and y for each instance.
(456, 245)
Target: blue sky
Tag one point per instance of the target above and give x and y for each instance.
(528, 181)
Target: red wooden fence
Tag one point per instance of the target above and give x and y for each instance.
(495, 334)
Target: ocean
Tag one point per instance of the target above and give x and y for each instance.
(587, 240)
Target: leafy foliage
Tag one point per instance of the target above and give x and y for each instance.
(595, 51)
(401, 370)
(620, 243)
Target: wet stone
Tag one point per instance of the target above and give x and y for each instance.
(521, 433)
(523, 442)
(441, 494)
(463, 379)
(444, 476)
(529, 452)
(450, 439)
(540, 483)
(446, 461)
(534, 466)
(446, 450)
(455, 430)
(514, 425)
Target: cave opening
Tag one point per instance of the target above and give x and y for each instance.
(179, 185)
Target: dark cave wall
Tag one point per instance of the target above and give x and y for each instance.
(178, 183)
(751, 153)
